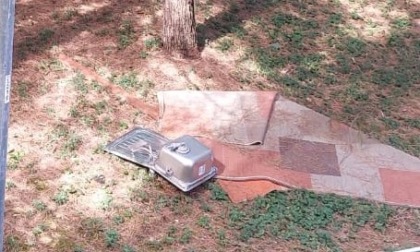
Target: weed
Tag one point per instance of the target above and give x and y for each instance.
(152, 43)
(390, 123)
(397, 142)
(354, 15)
(204, 222)
(39, 229)
(61, 198)
(235, 215)
(414, 123)
(401, 23)
(127, 81)
(10, 185)
(139, 195)
(335, 18)
(170, 237)
(407, 246)
(224, 45)
(267, 60)
(217, 192)
(69, 14)
(355, 46)
(45, 35)
(305, 216)
(14, 159)
(15, 244)
(281, 19)
(395, 40)
(143, 54)
(118, 219)
(66, 244)
(100, 107)
(144, 87)
(106, 201)
(40, 206)
(22, 89)
(111, 238)
(127, 248)
(126, 34)
(154, 245)
(383, 77)
(205, 207)
(354, 92)
(72, 143)
(74, 112)
(55, 15)
(221, 237)
(79, 82)
(92, 227)
(295, 38)
(180, 204)
(123, 125)
(186, 236)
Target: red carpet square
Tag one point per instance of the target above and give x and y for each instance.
(401, 187)
(310, 157)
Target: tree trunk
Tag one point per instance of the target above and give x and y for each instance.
(179, 31)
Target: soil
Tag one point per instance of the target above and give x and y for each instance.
(57, 132)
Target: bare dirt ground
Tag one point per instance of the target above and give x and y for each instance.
(84, 73)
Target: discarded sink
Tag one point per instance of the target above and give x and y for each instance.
(185, 162)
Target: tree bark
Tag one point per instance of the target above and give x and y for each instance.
(179, 28)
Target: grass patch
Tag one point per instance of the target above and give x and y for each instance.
(39, 205)
(92, 227)
(186, 236)
(126, 34)
(217, 192)
(307, 217)
(111, 238)
(224, 45)
(61, 198)
(14, 244)
(14, 159)
(152, 43)
(79, 83)
(127, 81)
(45, 35)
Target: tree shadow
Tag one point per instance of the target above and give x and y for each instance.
(334, 59)
(65, 23)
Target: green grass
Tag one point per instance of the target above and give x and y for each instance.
(92, 227)
(79, 83)
(61, 197)
(126, 34)
(306, 217)
(204, 222)
(128, 80)
(45, 35)
(22, 89)
(224, 45)
(15, 244)
(111, 238)
(39, 205)
(15, 159)
(186, 236)
(152, 43)
(330, 59)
